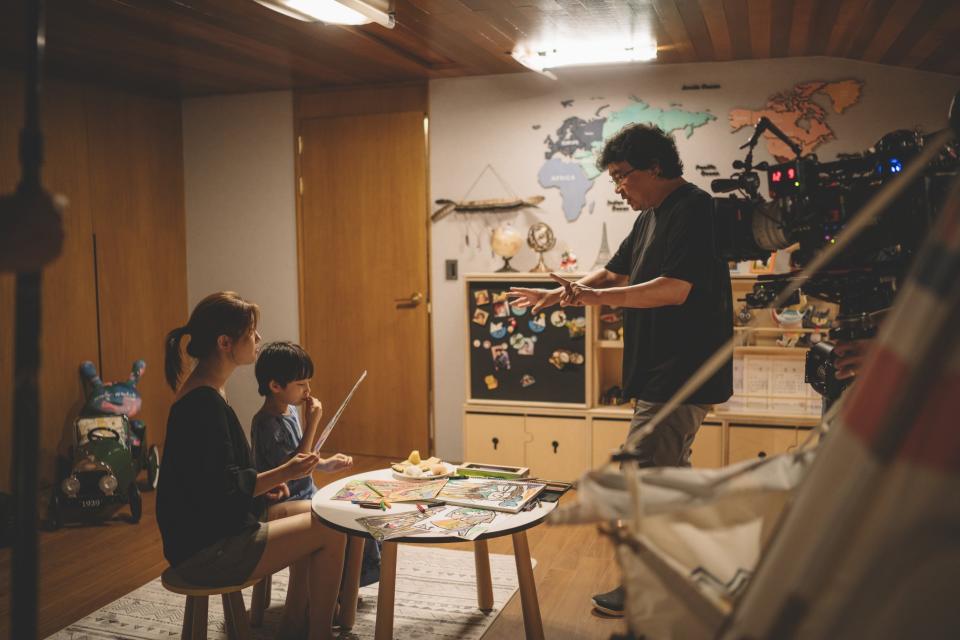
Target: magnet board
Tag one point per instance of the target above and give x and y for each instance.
(544, 361)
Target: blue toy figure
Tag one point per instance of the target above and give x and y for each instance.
(116, 398)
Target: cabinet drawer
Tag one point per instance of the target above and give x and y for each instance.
(557, 448)
(748, 443)
(608, 435)
(493, 439)
(707, 449)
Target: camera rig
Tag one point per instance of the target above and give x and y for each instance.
(810, 203)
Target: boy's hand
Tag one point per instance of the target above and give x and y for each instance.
(300, 465)
(335, 463)
(278, 493)
(313, 410)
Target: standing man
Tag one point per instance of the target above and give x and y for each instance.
(675, 293)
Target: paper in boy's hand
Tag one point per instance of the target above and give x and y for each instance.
(333, 421)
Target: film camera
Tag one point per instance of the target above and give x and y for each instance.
(810, 202)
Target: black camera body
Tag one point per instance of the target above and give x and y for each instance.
(810, 204)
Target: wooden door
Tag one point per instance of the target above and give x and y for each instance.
(707, 449)
(364, 278)
(557, 448)
(747, 443)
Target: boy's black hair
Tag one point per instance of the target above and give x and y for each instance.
(282, 362)
(643, 145)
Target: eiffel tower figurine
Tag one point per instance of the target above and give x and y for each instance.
(604, 256)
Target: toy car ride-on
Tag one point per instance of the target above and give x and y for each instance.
(109, 451)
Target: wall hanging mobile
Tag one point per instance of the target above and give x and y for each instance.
(490, 205)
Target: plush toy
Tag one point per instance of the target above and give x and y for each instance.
(115, 398)
(790, 321)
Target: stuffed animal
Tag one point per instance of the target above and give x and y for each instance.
(115, 398)
(791, 322)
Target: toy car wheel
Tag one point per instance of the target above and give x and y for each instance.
(54, 518)
(136, 503)
(153, 467)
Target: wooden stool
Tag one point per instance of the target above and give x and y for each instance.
(260, 601)
(195, 612)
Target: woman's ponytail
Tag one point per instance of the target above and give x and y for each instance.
(222, 313)
(173, 360)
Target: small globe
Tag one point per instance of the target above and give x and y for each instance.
(540, 238)
(505, 241)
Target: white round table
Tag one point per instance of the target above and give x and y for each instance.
(342, 516)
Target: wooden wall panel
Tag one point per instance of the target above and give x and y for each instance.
(118, 160)
(69, 330)
(136, 192)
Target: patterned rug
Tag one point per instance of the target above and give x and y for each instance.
(436, 599)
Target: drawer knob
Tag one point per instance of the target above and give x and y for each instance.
(762, 454)
(495, 442)
(555, 444)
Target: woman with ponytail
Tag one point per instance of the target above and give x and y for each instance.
(210, 497)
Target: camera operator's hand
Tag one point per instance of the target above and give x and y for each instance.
(850, 356)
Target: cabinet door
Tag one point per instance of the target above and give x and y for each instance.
(707, 449)
(748, 443)
(493, 438)
(557, 448)
(608, 435)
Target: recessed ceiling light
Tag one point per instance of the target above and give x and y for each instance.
(351, 12)
(542, 59)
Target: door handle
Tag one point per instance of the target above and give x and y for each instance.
(408, 303)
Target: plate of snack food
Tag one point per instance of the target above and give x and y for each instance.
(416, 468)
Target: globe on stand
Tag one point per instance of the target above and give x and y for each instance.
(540, 238)
(506, 243)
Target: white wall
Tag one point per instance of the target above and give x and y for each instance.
(491, 119)
(238, 159)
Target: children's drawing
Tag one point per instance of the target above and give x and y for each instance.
(399, 525)
(399, 491)
(490, 494)
(356, 490)
(464, 522)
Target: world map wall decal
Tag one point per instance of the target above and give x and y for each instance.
(798, 115)
(571, 151)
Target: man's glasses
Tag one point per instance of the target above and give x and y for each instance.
(618, 180)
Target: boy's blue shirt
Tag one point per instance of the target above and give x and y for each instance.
(275, 440)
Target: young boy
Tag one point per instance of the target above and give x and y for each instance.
(283, 372)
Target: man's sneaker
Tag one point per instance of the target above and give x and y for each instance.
(610, 603)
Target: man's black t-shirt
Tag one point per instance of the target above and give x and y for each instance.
(663, 346)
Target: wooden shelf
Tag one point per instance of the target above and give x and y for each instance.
(610, 344)
(778, 330)
(771, 350)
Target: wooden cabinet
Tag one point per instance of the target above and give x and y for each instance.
(494, 438)
(554, 447)
(707, 449)
(747, 442)
(772, 414)
(607, 436)
(557, 448)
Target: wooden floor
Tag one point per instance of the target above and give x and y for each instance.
(83, 568)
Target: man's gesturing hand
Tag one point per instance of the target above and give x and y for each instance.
(521, 298)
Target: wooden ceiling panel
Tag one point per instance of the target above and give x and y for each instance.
(715, 19)
(198, 47)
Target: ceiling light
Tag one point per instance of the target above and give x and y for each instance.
(581, 54)
(351, 12)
